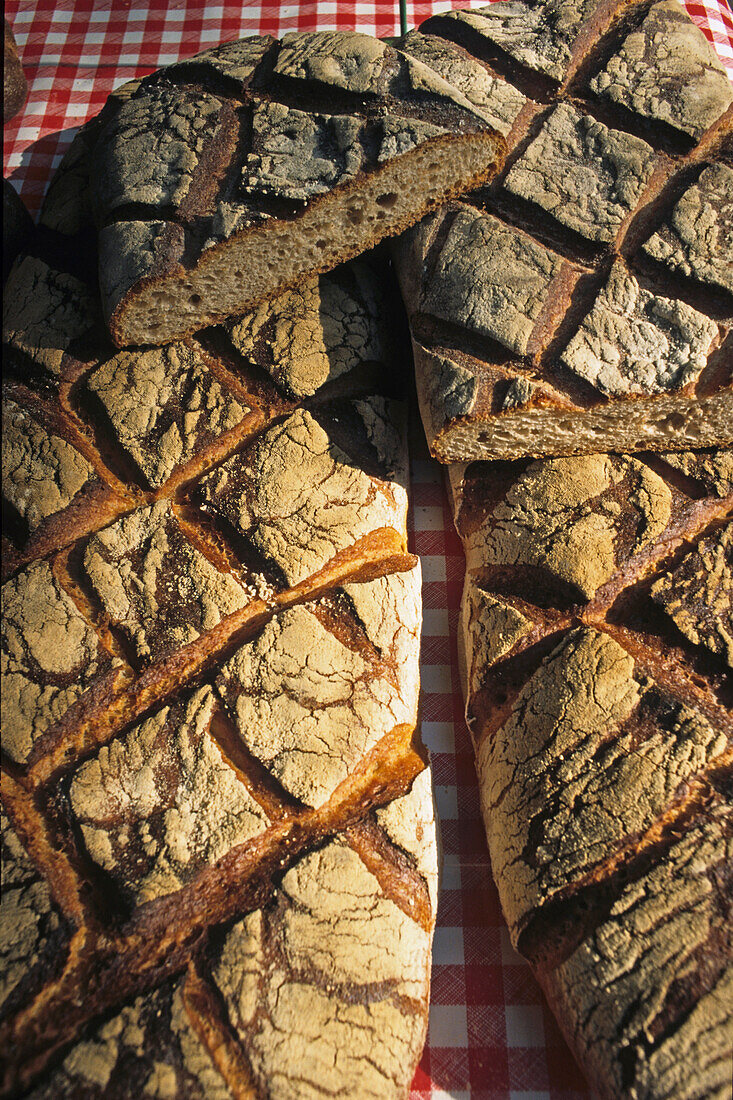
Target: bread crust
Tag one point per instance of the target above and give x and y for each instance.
(15, 85)
(274, 162)
(217, 819)
(599, 706)
(581, 301)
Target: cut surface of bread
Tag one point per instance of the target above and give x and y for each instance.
(583, 300)
(597, 640)
(240, 172)
(219, 847)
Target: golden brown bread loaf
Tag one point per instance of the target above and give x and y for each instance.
(209, 702)
(239, 172)
(219, 851)
(582, 300)
(597, 634)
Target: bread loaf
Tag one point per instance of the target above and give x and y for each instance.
(219, 850)
(597, 633)
(17, 226)
(582, 300)
(15, 85)
(228, 177)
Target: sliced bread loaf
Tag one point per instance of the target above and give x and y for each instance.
(583, 300)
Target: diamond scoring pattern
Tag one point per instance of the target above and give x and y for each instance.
(484, 1049)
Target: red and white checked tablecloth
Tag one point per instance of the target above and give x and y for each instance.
(491, 1036)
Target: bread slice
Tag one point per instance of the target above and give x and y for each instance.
(583, 300)
(219, 847)
(597, 637)
(227, 178)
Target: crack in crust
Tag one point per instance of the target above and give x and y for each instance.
(321, 330)
(149, 152)
(491, 628)
(698, 594)
(155, 585)
(713, 469)
(300, 499)
(666, 70)
(540, 36)
(149, 1048)
(238, 61)
(50, 657)
(161, 803)
(411, 824)
(698, 238)
(29, 921)
(42, 472)
(165, 406)
(353, 62)
(613, 990)
(45, 313)
(604, 748)
(585, 174)
(308, 705)
(577, 519)
(495, 99)
(593, 752)
(491, 279)
(334, 968)
(565, 334)
(633, 341)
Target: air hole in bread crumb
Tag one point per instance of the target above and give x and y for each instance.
(320, 243)
(355, 215)
(674, 420)
(195, 299)
(388, 200)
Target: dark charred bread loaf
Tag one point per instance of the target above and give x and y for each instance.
(233, 175)
(17, 226)
(597, 642)
(219, 872)
(583, 300)
(15, 85)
